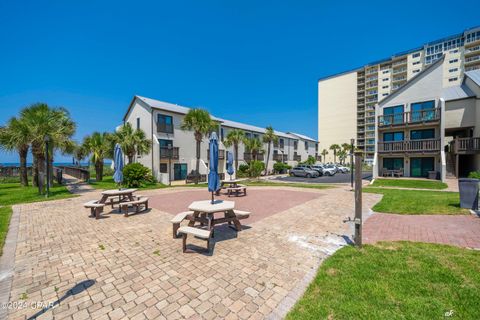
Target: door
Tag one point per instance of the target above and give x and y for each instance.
(419, 167)
(179, 171)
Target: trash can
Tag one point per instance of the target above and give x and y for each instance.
(59, 176)
(468, 193)
(432, 175)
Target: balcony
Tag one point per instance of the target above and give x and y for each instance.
(416, 146)
(411, 117)
(169, 153)
(297, 157)
(465, 145)
(399, 63)
(247, 156)
(399, 70)
(472, 50)
(164, 127)
(278, 146)
(374, 99)
(280, 157)
(221, 154)
(471, 60)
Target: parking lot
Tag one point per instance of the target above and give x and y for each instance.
(337, 178)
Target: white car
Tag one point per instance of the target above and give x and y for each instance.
(343, 169)
(329, 171)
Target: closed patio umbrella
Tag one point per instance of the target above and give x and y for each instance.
(230, 164)
(118, 164)
(213, 179)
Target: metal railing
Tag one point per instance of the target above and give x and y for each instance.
(221, 154)
(169, 153)
(163, 127)
(248, 156)
(280, 157)
(423, 145)
(409, 117)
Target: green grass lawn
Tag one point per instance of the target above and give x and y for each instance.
(417, 201)
(11, 192)
(417, 184)
(394, 280)
(108, 183)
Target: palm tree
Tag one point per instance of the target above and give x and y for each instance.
(254, 146)
(132, 141)
(200, 122)
(16, 137)
(54, 123)
(346, 147)
(269, 137)
(342, 155)
(324, 153)
(99, 146)
(234, 138)
(334, 147)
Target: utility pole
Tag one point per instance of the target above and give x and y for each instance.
(352, 145)
(358, 200)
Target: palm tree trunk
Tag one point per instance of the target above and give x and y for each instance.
(334, 156)
(268, 157)
(41, 172)
(35, 171)
(23, 152)
(50, 165)
(197, 165)
(235, 149)
(99, 170)
(130, 158)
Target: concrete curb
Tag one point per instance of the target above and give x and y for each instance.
(7, 262)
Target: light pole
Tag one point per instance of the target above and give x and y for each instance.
(352, 143)
(170, 150)
(47, 140)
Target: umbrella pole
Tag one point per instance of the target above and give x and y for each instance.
(212, 198)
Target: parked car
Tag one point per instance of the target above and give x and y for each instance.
(319, 169)
(303, 172)
(343, 169)
(329, 170)
(332, 167)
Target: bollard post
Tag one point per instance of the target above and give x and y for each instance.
(358, 199)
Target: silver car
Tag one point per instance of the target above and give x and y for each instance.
(303, 172)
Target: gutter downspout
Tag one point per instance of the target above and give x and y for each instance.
(443, 174)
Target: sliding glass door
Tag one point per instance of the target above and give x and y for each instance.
(419, 167)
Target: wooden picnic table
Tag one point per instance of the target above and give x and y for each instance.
(122, 194)
(232, 183)
(204, 213)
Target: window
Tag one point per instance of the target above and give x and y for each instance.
(138, 123)
(454, 51)
(385, 87)
(416, 55)
(255, 136)
(422, 134)
(422, 111)
(452, 79)
(385, 71)
(166, 147)
(163, 168)
(416, 62)
(393, 136)
(282, 143)
(416, 71)
(306, 145)
(453, 61)
(385, 94)
(385, 79)
(248, 135)
(295, 144)
(393, 163)
(393, 115)
(453, 70)
(164, 123)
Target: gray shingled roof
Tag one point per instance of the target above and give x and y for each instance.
(301, 136)
(227, 123)
(457, 92)
(474, 75)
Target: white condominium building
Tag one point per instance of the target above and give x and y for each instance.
(173, 152)
(346, 101)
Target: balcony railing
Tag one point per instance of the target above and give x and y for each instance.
(247, 156)
(163, 127)
(297, 157)
(396, 119)
(424, 145)
(278, 146)
(280, 157)
(169, 153)
(466, 145)
(221, 154)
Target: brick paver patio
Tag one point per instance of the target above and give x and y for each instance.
(116, 267)
(462, 231)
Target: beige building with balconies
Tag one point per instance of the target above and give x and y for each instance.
(346, 101)
(428, 128)
(173, 153)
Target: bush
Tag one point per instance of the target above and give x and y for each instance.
(474, 174)
(242, 171)
(136, 175)
(255, 169)
(280, 167)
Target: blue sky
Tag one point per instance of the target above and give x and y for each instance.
(250, 61)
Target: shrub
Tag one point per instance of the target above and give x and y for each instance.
(136, 175)
(255, 169)
(474, 174)
(242, 171)
(280, 167)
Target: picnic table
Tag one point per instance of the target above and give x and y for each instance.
(122, 194)
(204, 213)
(232, 183)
